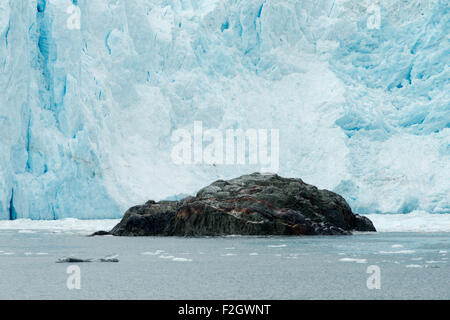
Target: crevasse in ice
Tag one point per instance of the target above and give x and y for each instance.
(359, 91)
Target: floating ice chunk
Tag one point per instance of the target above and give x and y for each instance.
(397, 246)
(397, 252)
(155, 253)
(417, 259)
(414, 266)
(72, 260)
(357, 260)
(253, 254)
(182, 259)
(228, 254)
(36, 253)
(111, 258)
(277, 245)
(166, 257)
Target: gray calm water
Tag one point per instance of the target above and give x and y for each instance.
(412, 266)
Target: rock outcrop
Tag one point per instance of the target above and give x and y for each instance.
(254, 204)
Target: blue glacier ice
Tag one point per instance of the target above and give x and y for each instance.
(87, 110)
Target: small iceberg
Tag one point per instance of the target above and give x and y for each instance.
(72, 260)
(149, 253)
(166, 257)
(413, 266)
(357, 260)
(397, 252)
(182, 259)
(110, 258)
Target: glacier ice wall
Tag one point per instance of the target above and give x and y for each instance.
(87, 114)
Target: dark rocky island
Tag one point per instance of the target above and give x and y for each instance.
(254, 204)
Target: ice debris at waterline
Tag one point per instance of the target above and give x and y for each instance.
(417, 221)
(87, 114)
(58, 226)
(112, 258)
(255, 204)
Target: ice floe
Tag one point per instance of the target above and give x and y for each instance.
(110, 258)
(414, 266)
(397, 252)
(357, 260)
(149, 253)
